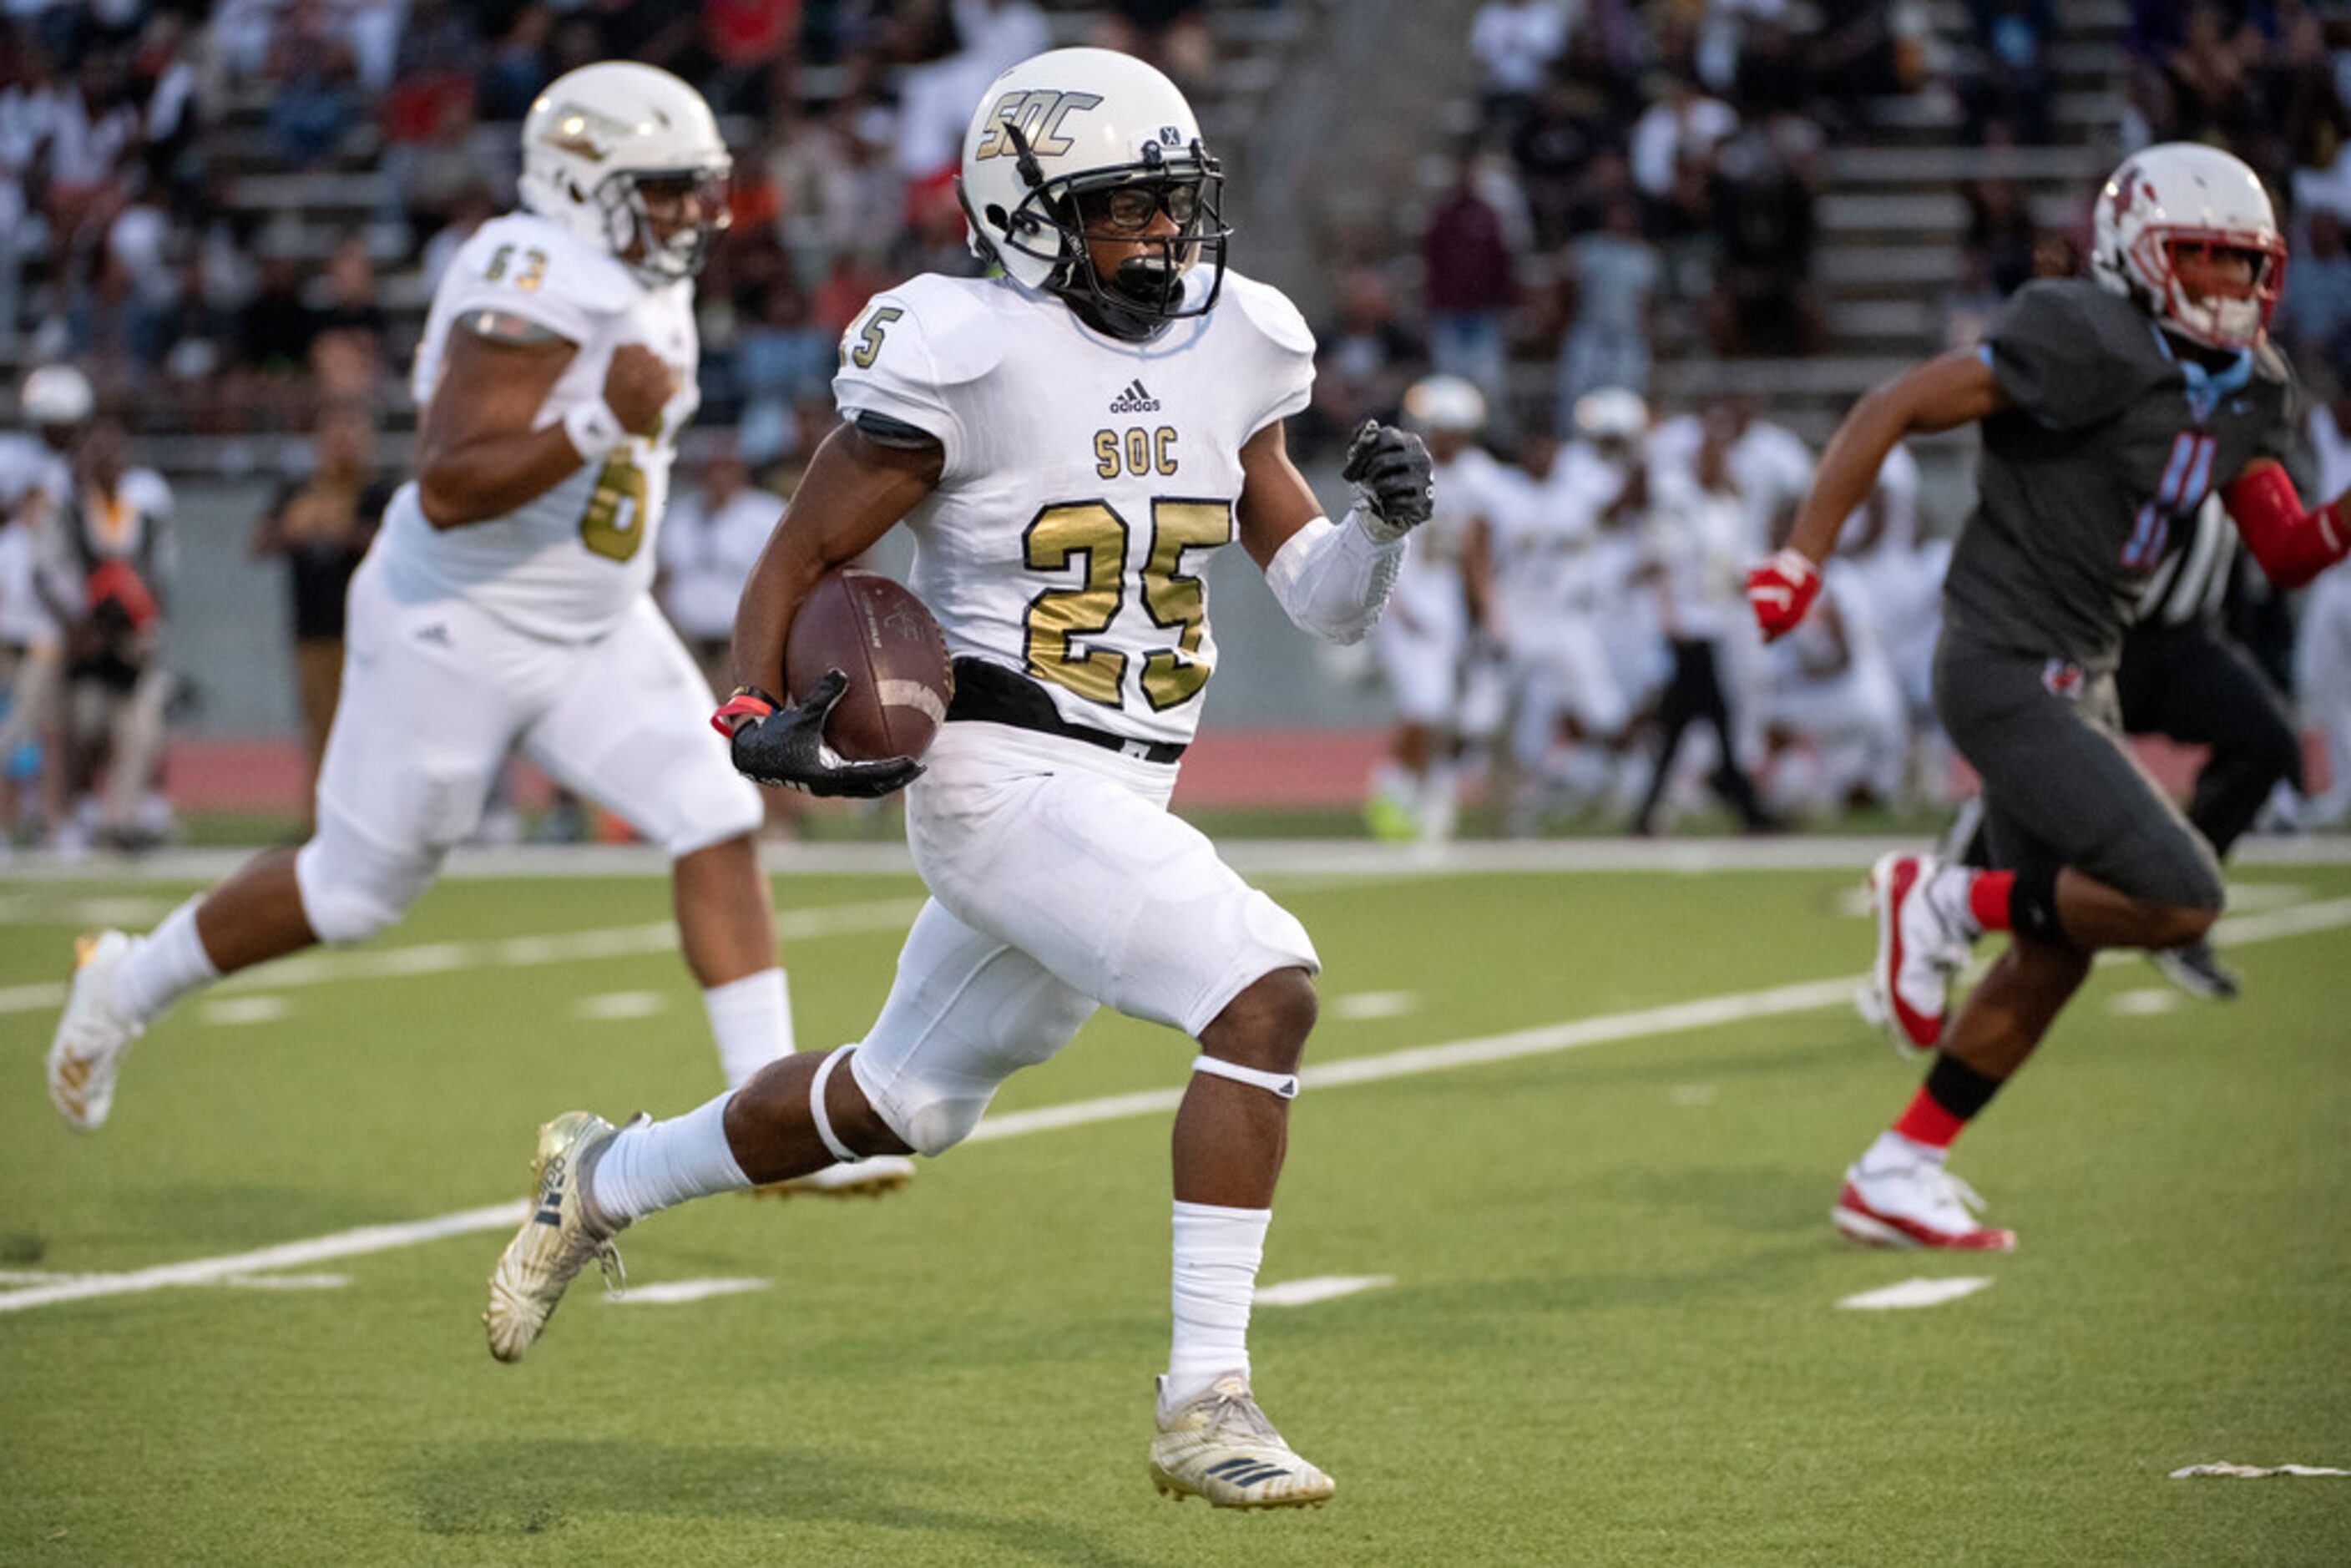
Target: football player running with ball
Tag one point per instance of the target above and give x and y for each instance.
(1067, 441)
(507, 601)
(2109, 409)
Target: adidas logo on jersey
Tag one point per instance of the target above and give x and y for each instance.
(1134, 400)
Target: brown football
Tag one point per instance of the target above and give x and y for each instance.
(886, 641)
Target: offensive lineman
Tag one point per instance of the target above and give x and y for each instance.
(1066, 441)
(2109, 410)
(507, 601)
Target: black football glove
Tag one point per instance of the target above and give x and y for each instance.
(786, 749)
(1390, 471)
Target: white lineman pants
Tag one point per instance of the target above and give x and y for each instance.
(437, 692)
(1058, 882)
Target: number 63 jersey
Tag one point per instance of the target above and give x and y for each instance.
(567, 564)
(1086, 478)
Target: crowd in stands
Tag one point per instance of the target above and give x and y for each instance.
(129, 244)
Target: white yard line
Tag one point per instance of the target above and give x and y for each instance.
(670, 1292)
(420, 958)
(1321, 1288)
(1673, 1019)
(1915, 1294)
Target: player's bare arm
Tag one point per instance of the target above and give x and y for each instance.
(1334, 578)
(1946, 392)
(1275, 501)
(479, 456)
(855, 491)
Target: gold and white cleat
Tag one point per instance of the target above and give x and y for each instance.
(92, 1039)
(1219, 1446)
(560, 1239)
(869, 1177)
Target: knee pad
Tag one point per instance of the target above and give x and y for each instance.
(930, 1114)
(350, 888)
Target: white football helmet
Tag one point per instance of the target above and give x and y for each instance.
(2186, 193)
(1611, 413)
(56, 395)
(1054, 136)
(598, 135)
(1445, 402)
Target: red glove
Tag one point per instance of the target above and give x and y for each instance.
(1780, 590)
(749, 703)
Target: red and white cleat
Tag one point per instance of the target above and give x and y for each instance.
(1915, 1205)
(1917, 954)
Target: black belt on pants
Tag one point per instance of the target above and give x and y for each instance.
(990, 694)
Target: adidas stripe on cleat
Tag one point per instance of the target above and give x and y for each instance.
(1219, 1446)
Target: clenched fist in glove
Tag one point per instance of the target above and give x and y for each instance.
(1780, 590)
(785, 747)
(1390, 471)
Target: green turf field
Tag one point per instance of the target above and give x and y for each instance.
(1611, 1335)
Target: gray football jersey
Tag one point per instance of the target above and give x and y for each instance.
(2092, 478)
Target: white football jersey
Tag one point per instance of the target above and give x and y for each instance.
(35, 483)
(1085, 478)
(1468, 489)
(567, 564)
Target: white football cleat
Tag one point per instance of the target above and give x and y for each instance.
(1918, 952)
(1219, 1446)
(561, 1236)
(92, 1039)
(868, 1177)
(1915, 1204)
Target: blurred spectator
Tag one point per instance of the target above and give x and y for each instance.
(1679, 131)
(346, 348)
(311, 76)
(1363, 359)
(320, 525)
(1615, 276)
(119, 532)
(518, 66)
(2311, 318)
(1763, 197)
(2015, 80)
(709, 541)
(1515, 43)
(783, 364)
(2001, 230)
(1469, 257)
(1171, 34)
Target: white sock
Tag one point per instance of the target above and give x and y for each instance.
(661, 1164)
(751, 1019)
(1947, 890)
(163, 967)
(1217, 1251)
(1894, 1149)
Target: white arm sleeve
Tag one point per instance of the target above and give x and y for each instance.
(1333, 578)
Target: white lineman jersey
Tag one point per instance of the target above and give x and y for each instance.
(567, 564)
(1085, 479)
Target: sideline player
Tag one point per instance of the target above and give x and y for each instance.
(1066, 440)
(506, 602)
(1436, 643)
(2109, 409)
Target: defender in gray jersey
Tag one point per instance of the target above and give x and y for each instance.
(2109, 411)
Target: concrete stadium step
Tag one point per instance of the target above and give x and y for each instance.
(1945, 164)
(1883, 266)
(1932, 214)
